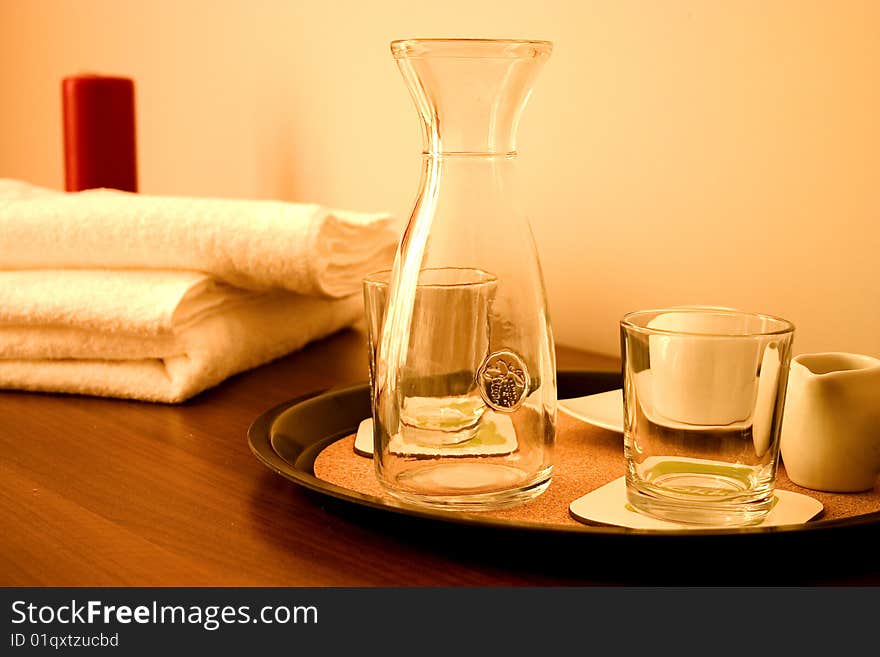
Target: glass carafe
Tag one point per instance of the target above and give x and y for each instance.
(464, 383)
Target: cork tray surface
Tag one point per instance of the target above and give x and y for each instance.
(312, 442)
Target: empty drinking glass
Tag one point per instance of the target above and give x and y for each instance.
(704, 390)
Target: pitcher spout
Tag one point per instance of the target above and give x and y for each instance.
(834, 365)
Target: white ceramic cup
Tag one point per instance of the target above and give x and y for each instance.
(701, 374)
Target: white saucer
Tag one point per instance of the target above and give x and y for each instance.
(604, 410)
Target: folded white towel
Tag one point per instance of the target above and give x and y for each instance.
(305, 249)
(151, 335)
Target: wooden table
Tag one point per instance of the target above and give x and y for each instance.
(108, 492)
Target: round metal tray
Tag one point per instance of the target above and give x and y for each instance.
(289, 437)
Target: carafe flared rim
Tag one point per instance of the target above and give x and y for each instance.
(471, 48)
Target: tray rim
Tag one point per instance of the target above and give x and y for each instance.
(260, 442)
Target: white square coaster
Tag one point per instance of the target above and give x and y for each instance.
(608, 505)
(363, 442)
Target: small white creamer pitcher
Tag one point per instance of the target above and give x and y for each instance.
(831, 425)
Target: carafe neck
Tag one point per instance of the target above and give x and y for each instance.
(470, 93)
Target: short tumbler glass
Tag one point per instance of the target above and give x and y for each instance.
(704, 391)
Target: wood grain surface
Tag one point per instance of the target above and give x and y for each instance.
(101, 492)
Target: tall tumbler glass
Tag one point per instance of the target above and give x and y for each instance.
(704, 391)
(450, 339)
(452, 450)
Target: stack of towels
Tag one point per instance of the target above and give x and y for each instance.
(158, 298)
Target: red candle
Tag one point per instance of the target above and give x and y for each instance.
(99, 133)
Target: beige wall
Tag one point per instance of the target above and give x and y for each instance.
(724, 153)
